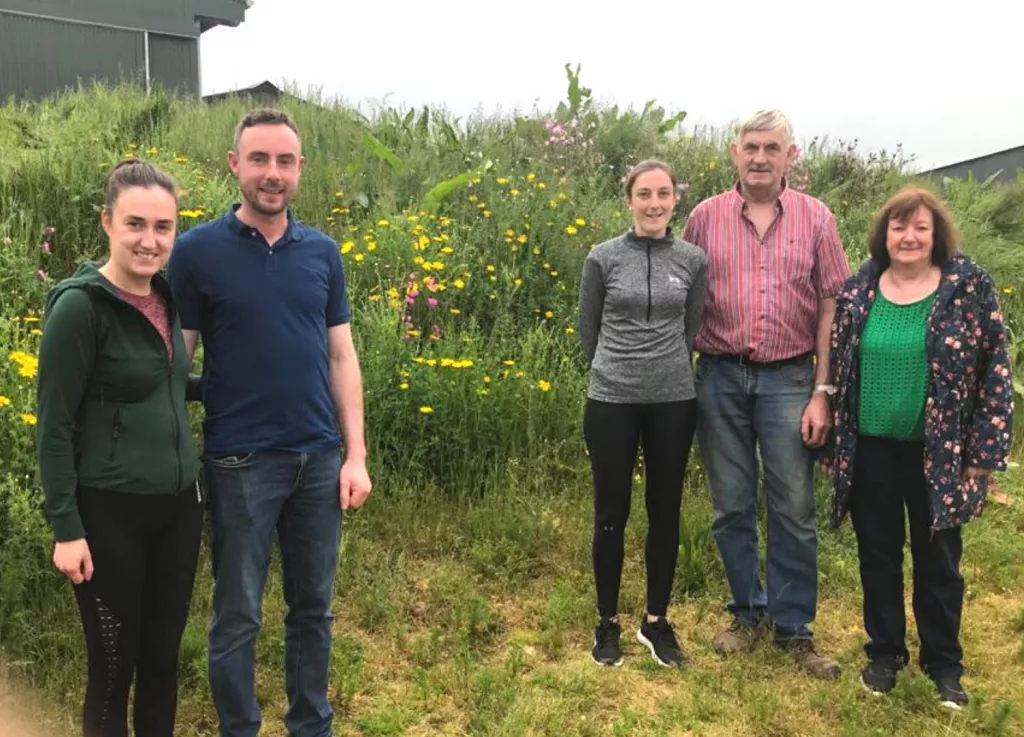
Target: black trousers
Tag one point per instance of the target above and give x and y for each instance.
(613, 432)
(888, 476)
(145, 550)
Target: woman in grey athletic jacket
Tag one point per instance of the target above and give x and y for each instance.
(641, 299)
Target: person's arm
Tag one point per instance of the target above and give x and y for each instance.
(989, 437)
(67, 353)
(830, 271)
(346, 384)
(695, 300)
(188, 303)
(591, 306)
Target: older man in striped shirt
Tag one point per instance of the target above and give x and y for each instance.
(775, 264)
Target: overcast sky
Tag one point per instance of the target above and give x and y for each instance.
(945, 84)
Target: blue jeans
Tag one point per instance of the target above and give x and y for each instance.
(743, 410)
(251, 497)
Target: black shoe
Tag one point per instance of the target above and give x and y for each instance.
(661, 641)
(879, 676)
(951, 693)
(606, 643)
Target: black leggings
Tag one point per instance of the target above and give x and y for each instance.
(613, 432)
(145, 550)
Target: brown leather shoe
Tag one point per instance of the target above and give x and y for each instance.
(739, 636)
(811, 660)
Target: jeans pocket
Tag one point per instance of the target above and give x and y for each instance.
(702, 369)
(243, 460)
(798, 374)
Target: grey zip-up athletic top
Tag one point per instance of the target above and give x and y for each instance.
(641, 302)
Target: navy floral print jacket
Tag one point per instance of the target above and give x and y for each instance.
(969, 408)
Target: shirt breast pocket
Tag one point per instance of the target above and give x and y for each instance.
(797, 262)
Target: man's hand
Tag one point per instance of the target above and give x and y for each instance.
(815, 423)
(354, 483)
(74, 560)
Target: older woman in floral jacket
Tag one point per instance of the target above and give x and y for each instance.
(922, 415)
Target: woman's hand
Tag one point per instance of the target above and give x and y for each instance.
(973, 472)
(74, 560)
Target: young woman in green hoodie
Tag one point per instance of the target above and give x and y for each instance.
(117, 461)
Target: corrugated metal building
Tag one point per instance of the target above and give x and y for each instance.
(49, 45)
(1002, 163)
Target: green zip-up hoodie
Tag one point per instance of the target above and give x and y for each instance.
(110, 407)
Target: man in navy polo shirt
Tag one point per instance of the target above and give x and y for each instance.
(280, 371)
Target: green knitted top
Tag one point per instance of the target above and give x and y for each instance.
(894, 371)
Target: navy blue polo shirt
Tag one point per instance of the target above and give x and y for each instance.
(263, 314)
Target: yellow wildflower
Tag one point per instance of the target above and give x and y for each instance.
(569, 331)
(581, 222)
(359, 257)
(502, 180)
(544, 386)
(490, 267)
(403, 387)
(487, 213)
(455, 311)
(514, 192)
(28, 418)
(383, 223)
(425, 410)
(459, 284)
(522, 238)
(530, 177)
(549, 314)
(541, 185)
(570, 230)
(4, 401)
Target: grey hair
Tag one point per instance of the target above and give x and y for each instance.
(765, 120)
(136, 173)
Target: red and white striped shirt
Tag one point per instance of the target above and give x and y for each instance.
(763, 293)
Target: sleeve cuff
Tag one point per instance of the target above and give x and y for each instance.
(67, 527)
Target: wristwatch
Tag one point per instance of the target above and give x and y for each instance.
(829, 389)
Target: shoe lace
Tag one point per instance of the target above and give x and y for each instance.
(665, 634)
(739, 625)
(607, 633)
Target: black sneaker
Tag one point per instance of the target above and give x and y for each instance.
(879, 676)
(661, 641)
(606, 643)
(951, 693)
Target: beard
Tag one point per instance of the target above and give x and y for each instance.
(251, 193)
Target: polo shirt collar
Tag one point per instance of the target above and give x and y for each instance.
(292, 233)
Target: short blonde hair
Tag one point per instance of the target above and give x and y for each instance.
(765, 120)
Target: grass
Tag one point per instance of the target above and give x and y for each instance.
(477, 618)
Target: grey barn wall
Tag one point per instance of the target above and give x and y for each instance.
(985, 166)
(38, 56)
(174, 63)
(176, 17)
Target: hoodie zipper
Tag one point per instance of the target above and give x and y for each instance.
(170, 388)
(117, 433)
(648, 282)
